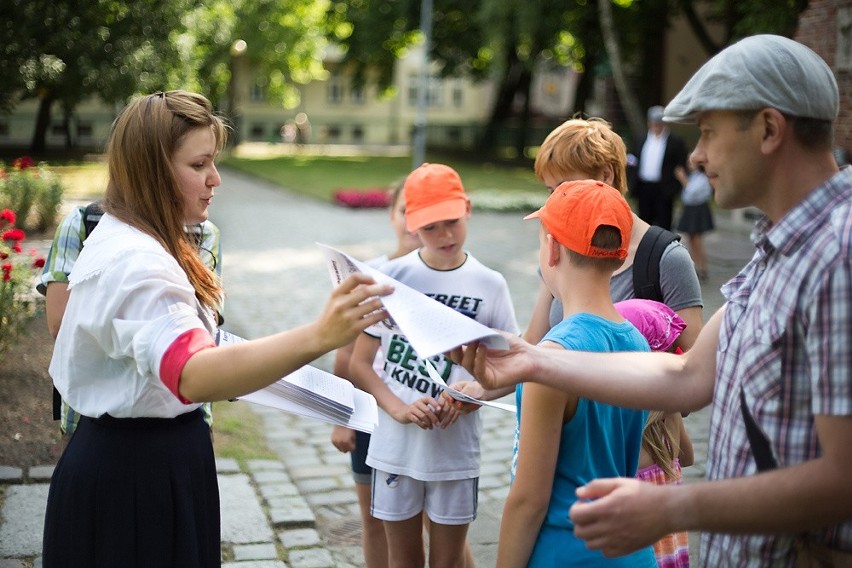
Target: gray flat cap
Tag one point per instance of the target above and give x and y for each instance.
(758, 72)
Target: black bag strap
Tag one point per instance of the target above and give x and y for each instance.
(759, 444)
(57, 404)
(91, 215)
(646, 264)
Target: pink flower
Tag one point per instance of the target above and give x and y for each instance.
(7, 271)
(38, 263)
(17, 247)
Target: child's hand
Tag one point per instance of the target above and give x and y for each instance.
(425, 413)
(343, 438)
(460, 407)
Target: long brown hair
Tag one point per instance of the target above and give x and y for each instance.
(143, 190)
(661, 439)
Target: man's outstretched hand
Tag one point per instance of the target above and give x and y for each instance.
(497, 368)
(619, 515)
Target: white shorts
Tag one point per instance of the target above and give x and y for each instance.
(399, 497)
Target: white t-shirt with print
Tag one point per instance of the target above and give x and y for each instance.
(438, 454)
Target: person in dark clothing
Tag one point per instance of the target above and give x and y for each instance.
(656, 184)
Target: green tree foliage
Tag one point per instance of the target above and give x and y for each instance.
(284, 39)
(740, 18)
(64, 50)
(507, 39)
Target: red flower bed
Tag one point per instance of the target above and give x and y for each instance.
(375, 198)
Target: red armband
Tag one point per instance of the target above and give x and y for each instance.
(174, 359)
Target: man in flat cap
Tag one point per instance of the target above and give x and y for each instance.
(775, 361)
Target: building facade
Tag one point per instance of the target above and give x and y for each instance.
(826, 27)
(330, 111)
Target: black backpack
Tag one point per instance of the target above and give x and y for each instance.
(646, 265)
(91, 215)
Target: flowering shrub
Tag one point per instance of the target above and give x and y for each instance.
(378, 197)
(17, 271)
(32, 191)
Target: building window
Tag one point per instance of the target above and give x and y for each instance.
(84, 129)
(434, 91)
(256, 132)
(57, 129)
(356, 95)
(333, 132)
(4, 128)
(358, 133)
(458, 93)
(256, 93)
(334, 92)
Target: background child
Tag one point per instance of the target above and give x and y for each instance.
(434, 468)
(590, 149)
(566, 441)
(666, 446)
(373, 541)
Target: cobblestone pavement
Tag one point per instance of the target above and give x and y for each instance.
(301, 510)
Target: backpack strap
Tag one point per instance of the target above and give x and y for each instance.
(91, 215)
(646, 264)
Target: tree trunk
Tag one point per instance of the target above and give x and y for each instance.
(524, 87)
(38, 144)
(502, 108)
(628, 101)
(698, 28)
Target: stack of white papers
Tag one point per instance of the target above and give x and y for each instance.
(314, 393)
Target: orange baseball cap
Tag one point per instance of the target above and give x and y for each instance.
(433, 192)
(576, 209)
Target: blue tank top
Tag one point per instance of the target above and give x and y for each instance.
(600, 440)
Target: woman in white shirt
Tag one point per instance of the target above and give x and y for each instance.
(135, 354)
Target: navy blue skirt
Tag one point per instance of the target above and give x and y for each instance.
(696, 219)
(135, 492)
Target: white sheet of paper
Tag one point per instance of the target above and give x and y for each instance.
(458, 395)
(430, 326)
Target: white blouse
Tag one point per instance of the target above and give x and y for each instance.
(129, 301)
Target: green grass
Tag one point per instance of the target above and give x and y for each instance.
(238, 433)
(86, 180)
(321, 176)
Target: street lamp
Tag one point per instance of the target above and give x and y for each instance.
(238, 49)
(418, 153)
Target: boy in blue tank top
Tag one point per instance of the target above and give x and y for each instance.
(565, 441)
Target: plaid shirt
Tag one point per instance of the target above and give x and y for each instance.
(786, 341)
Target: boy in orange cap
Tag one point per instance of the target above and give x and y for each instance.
(565, 441)
(432, 469)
